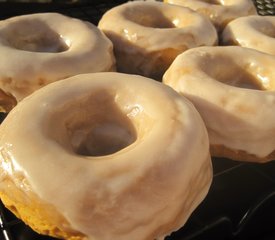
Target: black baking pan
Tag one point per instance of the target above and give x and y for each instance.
(241, 202)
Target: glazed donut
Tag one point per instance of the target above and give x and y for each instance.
(220, 12)
(45, 47)
(147, 36)
(233, 89)
(104, 158)
(257, 32)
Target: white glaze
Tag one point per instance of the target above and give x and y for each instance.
(145, 32)
(257, 32)
(141, 192)
(220, 12)
(31, 58)
(238, 118)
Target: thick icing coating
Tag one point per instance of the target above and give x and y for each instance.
(139, 190)
(220, 12)
(45, 47)
(233, 89)
(148, 35)
(257, 32)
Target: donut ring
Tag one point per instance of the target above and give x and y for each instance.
(147, 36)
(220, 12)
(43, 48)
(114, 164)
(233, 89)
(257, 32)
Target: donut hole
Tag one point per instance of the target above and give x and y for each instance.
(227, 71)
(34, 36)
(104, 138)
(93, 126)
(149, 16)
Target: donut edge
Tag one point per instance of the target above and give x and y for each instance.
(221, 151)
(38, 215)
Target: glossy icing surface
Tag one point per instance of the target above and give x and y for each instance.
(42, 48)
(257, 32)
(233, 89)
(148, 35)
(220, 12)
(139, 190)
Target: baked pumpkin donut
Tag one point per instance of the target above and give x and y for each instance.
(148, 35)
(233, 89)
(45, 47)
(104, 158)
(220, 12)
(257, 32)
